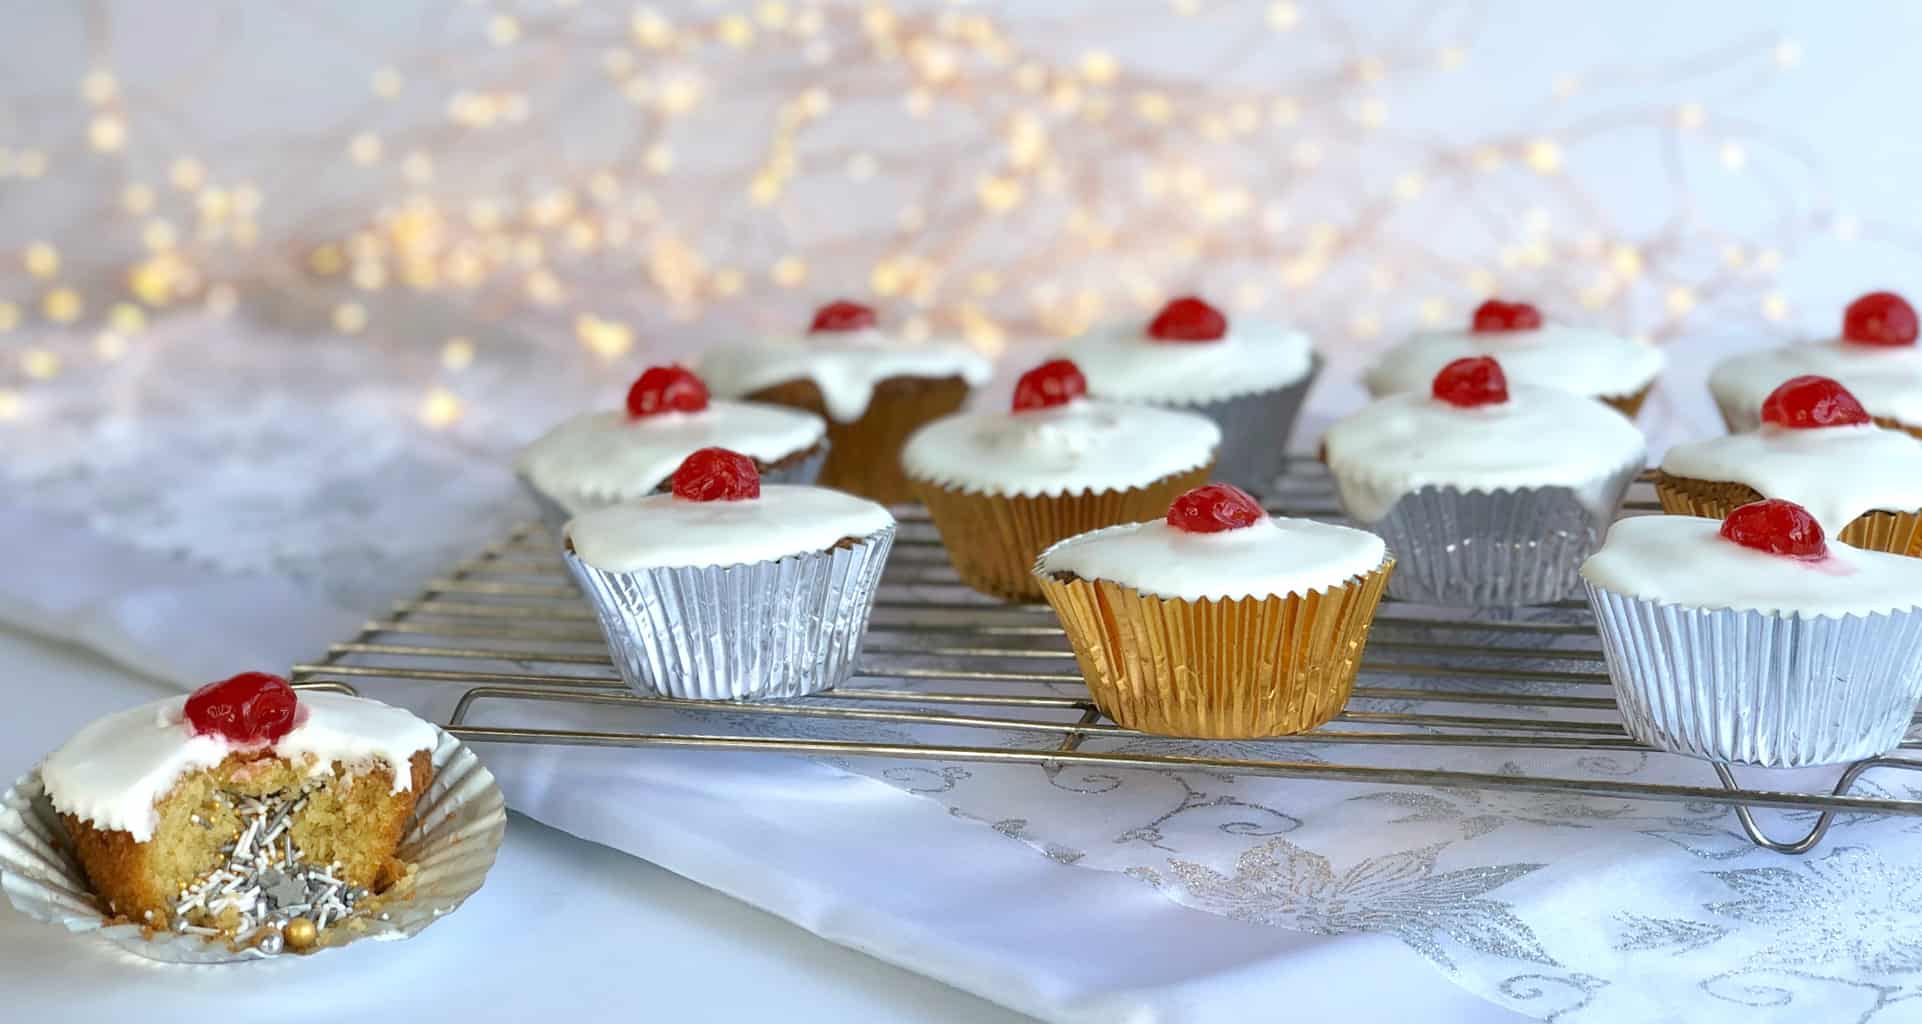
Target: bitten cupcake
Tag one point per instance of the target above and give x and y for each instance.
(1818, 448)
(1249, 376)
(1488, 495)
(1533, 352)
(1755, 640)
(727, 590)
(1000, 486)
(1218, 621)
(873, 389)
(1875, 358)
(599, 458)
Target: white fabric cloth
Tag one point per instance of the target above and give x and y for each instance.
(1210, 894)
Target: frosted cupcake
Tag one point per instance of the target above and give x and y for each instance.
(1488, 495)
(1818, 448)
(1249, 376)
(726, 590)
(1000, 486)
(1755, 640)
(1533, 352)
(599, 458)
(873, 389)
(1875, 358)
(1217, 621)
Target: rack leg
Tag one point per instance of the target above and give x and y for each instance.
(1822, 822)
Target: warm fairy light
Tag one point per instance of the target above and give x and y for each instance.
(1626, 261)
(605, 338)
(789, 272)
(1690, 116)
(127, 318)
(349, 317)
(42, 260)
(99, 87)
(1680, 300)
(1283, 15)
(1775, 307)
(440, 408)
(1543, 156)
(10, 404)
(39, 364)
(1372, 111)
(1734, 157)
(1452, 58)
(9, 316)
(136, 199)
(1408, 186)
(186, 174)
(107, 133)
(386, 83)
(62, 305)
(1434, 311)
(109, 345)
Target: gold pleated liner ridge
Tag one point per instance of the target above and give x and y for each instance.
(864, 456)
(993, 539)
(1898, 533)
(1218, 669)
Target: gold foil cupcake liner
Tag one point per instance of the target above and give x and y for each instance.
(993, 539)
(1629, 405)
(1218, 669)
(864, 456)
(1898, 533)
(452, 839)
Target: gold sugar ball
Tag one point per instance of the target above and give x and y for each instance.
(300, 934)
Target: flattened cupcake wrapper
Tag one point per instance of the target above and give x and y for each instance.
(1495, 549)
(1254, 432)
(1240, 669)
(452, 840)
(1747, 687)
(1898, 533)
(766, 630)
(993, 539)
(555, 514)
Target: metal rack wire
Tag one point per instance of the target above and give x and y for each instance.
(952, 676)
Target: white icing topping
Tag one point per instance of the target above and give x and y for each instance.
(1085, 445)
(607, 456)
(1837, 473)
(114, 770)
(1886, 379)
(662, 531)
(1123, 363)
(1540, 437)
(1684, 560)
(1579, 359)
(844, 365)
(1275, 557)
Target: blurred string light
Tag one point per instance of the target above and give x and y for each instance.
(1097, 186)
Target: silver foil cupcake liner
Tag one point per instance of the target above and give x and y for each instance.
(453, 839)
(765, 630)
(1254, 432)
(1495, 549)
(1748, 687)
(555, 512)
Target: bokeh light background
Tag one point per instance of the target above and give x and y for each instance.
(490, 212)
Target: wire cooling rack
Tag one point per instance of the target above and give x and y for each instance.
(948, 675)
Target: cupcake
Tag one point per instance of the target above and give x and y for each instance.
(244, 811)
(1816, 447)
(1217, 621)
(1000, 486)
(1250, 377)
(1875, 358)
(1589, 362)
(599, 458)
(1488, 495)
(1755, 640)
(724, 589)
(873, 389)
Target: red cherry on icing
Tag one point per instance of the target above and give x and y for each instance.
(1056, 382)
(842, 315)
(1213, 508)
(252, 707)
(666, 389)
(1188, 319)
(1777, 527)
(716, 474)
(1473, 381)
(1495, 316)
(1879, 318)
(1811, 401)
